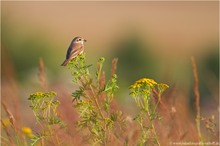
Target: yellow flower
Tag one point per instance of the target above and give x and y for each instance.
(135, 85)
(144, 81)
(27, 131)
(39, 93)
(6, 122)
(147, 91)
(213, 117)
(162, 87)
(149, 82)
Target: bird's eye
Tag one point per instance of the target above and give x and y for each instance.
(79, 39)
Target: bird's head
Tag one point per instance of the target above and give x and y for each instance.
(79, 40)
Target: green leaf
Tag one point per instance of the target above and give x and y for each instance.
(78, 93)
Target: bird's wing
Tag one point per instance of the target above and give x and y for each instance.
(68, 53)
(75, 51)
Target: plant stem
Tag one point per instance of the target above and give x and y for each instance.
(96, 102)
(197, 97)
(157, 103)
(155, 134)
(100, 111)
(152, 125)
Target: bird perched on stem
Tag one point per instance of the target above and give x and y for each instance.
(76, 47)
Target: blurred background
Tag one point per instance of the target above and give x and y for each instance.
(151, 39)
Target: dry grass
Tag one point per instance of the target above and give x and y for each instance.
(197, 97)
(42, 75)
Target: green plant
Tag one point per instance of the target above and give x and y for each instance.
(44, 107)
(142, 91)
(93, 100)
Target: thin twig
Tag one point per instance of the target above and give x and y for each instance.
(102, 83)
(42, 74)
(196, 85)
(114, 66)
(197, 96)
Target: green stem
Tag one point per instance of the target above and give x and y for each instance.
(157, 103)
(152, 125)
(100, 111)
(155, 134)
(96, 102)
(198, 127)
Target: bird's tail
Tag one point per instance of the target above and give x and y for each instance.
(65, 62)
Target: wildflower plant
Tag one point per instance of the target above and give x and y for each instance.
(44, 107)
(142, 91)
(93, 100)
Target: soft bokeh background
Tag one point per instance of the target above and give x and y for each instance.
(151, 39)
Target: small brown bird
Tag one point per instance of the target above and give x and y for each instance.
(76, 47)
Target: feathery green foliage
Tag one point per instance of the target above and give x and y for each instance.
(44, 107)
(93, 101)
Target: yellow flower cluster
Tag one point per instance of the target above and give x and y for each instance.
(162, 87)
(44, 94)
(143, 82)
(39, 94)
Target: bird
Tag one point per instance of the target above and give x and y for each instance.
(76, 47)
